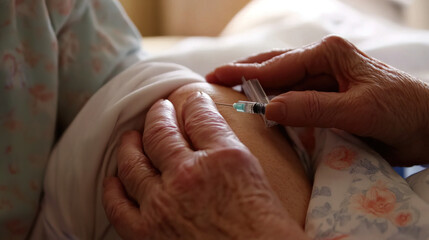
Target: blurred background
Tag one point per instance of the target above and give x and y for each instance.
(182, 17)
(164, 23)
(209, 17)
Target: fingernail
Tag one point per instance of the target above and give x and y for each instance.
(193, 96)
(163, 101)
(159, 101)
(196, 96)
(275, 111)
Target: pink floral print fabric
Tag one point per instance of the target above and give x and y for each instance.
(356, 193)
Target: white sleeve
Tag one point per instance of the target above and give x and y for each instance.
(85, 155)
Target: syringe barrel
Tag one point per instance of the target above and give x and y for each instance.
(250, 107)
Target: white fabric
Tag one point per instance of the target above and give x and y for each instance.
(71, 207)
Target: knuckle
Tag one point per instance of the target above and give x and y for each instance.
(115, 212)
(146, 184)
(335, 43)
(333, 39)
(154, 135)
(123, 152)
(188, 175)
(348, 61)
(204, 129)
(234, 156)
(208, 124)
(312, 105)
(156, 146)
(126, 166)
(203, 117)
(192, 175)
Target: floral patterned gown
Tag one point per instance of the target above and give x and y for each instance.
(54, 54)
(356, 193)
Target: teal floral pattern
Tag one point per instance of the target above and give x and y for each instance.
(54, 55)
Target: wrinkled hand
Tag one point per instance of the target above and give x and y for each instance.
(203, 184)
(354, 92)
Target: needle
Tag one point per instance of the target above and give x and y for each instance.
(223, 104)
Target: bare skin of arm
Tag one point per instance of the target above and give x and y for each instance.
(270, 145)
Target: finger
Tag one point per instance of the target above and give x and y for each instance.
(205, 126)
(262, 57)
(121, 212)
(134, 168)
(327, 57)
(348, 111)
(163, 142)
(309, 109)
(279, 72)
(258, 58)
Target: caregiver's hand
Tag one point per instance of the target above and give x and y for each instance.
(374, 100)
(203, 184)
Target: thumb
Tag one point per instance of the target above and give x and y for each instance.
(309, 109)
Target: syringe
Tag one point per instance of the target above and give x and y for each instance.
(247, 107)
